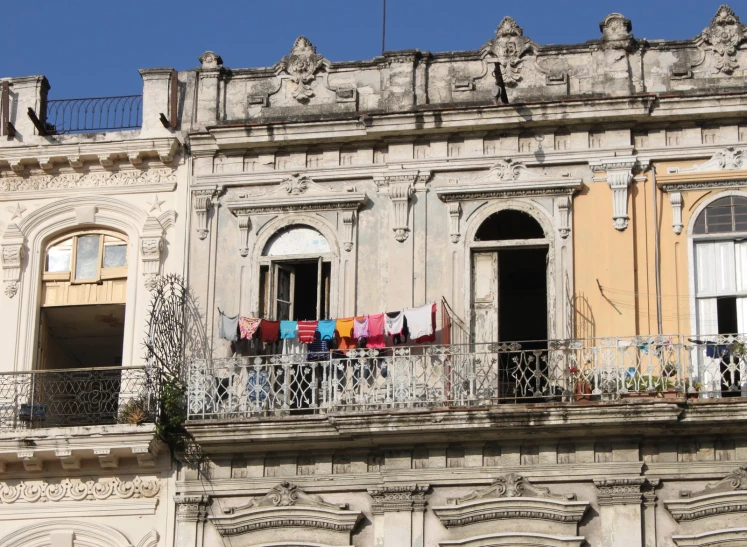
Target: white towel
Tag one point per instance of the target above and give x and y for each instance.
(394, 324)
(419, 321)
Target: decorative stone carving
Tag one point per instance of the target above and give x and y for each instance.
(675, 200)
(245, 225)
(729, 495)
(98, 179)
(722, 38)
(400, 186)
(302, 65)
(348, 218)
(151, 245)
(17, 211)
(508, 48)
(78, 490)
(400, 497)
(511, 497)
(210, 60)
(295, 184)
(564, 209)
(619, 491)
(507, 178)
(191, 508)
(724, 160)
(13, 252)
(455, 211)
(149, 540)
(203, 201)
(619, 175)
(616, 32)
(285, 507)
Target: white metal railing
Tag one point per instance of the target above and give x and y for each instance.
(469, 375)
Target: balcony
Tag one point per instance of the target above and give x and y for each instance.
(463, 377)
(75, 397)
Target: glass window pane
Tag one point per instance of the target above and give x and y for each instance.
(699, 227)
(115, 256)
(58, 257)
(87, 257)
(719, 220)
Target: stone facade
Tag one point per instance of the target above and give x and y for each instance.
(382, 185)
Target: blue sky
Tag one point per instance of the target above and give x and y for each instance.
(92, 48)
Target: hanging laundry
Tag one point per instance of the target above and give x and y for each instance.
(228, 326)
(376, 331)
(419, 320)
(432, 336)
(306, 330)
(360, 327)
(326, 329)
(344, 329)
(248, 326)
(288, 330)
(394, 322)
(269, 331)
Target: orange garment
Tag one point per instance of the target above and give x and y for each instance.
(344, 328)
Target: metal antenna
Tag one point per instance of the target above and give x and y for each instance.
(383, 30)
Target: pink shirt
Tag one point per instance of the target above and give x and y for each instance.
(376, 331)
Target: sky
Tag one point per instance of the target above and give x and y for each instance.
(93, 48)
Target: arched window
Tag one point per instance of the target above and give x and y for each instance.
(509, 224)
(720, 240)
(295, 275)
(84, 290)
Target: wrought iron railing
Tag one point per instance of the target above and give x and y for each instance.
(94, 114)
(472, 375)
(91, 396)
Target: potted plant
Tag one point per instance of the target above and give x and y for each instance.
(581, 386)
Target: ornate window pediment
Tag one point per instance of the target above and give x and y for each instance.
(726, 168)
(512, 498)
(284, 513)
(729, 495)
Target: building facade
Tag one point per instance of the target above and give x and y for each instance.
(575, 215)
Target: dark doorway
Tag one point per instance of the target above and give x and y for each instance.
(522, 295)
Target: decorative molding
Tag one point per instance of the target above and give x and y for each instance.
(400, 497)
(13, 253)
(348, 220)
(149, 540)
(512, 539)
(675, 200)
(455, 212)
(191, 508)
(507, 178)
(86, 533)
(722, 38)
(210, 60)
(77, 490)
(616, 32)
(39, 186)
(203, 201)
(245, 225)
(507, 50)
(619, 491)
(400, 186)
(729, 495)
(716, 538)
(302, 65)
(564, 210)
(619, 175)
(286, 506)
(151, 245)
(512, 485)
(727, 159)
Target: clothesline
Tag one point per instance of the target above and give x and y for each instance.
(346, 333)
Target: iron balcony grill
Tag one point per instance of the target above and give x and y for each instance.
(93, 114)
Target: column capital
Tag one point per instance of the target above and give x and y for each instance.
(399, 497)
(620, 491)
(191, 508)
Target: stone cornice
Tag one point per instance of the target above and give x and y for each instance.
(706, 506)
(506, 189)
(76, 154)
(398, 497)
(727, 168)
(620, 491)
(78, 490)
(511, 508)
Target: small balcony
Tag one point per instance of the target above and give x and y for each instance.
(75, 397)
(564, 372)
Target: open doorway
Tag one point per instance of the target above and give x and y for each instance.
(295, 290)
(522, 296)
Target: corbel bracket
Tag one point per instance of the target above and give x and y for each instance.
(400, 186)
(618, 174)
(203, 201)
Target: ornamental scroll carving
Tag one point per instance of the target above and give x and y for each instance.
(727, 159)
(729, 495)
(302, 65)
(67, 490)
(203, 201)
(508, 49)
(619, 175)
(151, 245)
(67, 181)
(400, 187)
(512, 485)
(722, 38)
(13, 252)
(398, 497)
(284, 508)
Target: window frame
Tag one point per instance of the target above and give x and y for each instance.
(102, 273)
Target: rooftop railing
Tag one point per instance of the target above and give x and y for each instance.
(467, 376)
(74, 397)
(94, 114)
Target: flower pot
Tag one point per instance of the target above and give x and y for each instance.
(582, 391)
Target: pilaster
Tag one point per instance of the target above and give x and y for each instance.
(620, 511)
(618, 175)
(191, 513)
(399, 514)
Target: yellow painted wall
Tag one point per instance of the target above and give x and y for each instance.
(623, 262)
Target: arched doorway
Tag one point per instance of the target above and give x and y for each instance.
(295, 275)
(509, 280)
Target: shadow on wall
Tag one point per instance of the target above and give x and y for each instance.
(585, 324)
